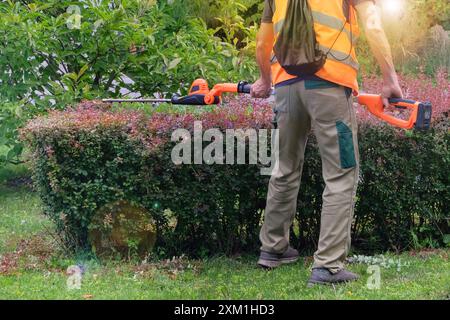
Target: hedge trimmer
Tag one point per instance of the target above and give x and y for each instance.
(200, 95)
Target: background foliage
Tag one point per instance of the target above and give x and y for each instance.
(418, 37)
(119, 47)
(46, 57)
(131, 47)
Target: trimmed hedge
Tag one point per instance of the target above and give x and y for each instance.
(91, 156)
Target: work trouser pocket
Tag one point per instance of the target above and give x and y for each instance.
(346, 146)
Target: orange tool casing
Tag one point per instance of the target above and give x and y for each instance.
(420, 117)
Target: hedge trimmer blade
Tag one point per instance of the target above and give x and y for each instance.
(137, 100)
(199, 94)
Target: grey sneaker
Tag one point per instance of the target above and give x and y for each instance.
(272, 260)
(323, 276)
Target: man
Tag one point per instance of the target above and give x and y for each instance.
(321, 103)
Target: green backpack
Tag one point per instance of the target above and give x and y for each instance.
(296, 48)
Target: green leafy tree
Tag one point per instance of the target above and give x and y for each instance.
(55, 52)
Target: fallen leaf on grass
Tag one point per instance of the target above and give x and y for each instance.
(87, 296)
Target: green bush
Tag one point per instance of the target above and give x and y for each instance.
(88, 158)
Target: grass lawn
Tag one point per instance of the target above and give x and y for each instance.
(32, 267)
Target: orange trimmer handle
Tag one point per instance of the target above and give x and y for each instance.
(405, 124)
(221, 88)
(374, 104)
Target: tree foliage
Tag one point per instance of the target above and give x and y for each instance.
(54, 52)
(58, 51)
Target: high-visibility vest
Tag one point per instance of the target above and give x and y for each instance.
(333, 31)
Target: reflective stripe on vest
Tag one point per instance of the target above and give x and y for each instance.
(333, 23)
(325, 20)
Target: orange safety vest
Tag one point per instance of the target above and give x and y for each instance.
(332, 31)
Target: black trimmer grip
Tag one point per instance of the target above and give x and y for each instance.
(193, 100)
(399, 100)
(244, 87)
(394, 101)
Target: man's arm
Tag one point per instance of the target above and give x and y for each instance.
(264, 45)
(379, 45)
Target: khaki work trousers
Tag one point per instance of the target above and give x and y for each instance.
(327, 110)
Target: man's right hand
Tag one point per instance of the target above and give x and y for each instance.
(391, 90)
(261, 89)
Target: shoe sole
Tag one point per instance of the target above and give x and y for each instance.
(271, 264)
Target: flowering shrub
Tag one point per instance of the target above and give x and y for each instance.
(90, 157)
(93, 156)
